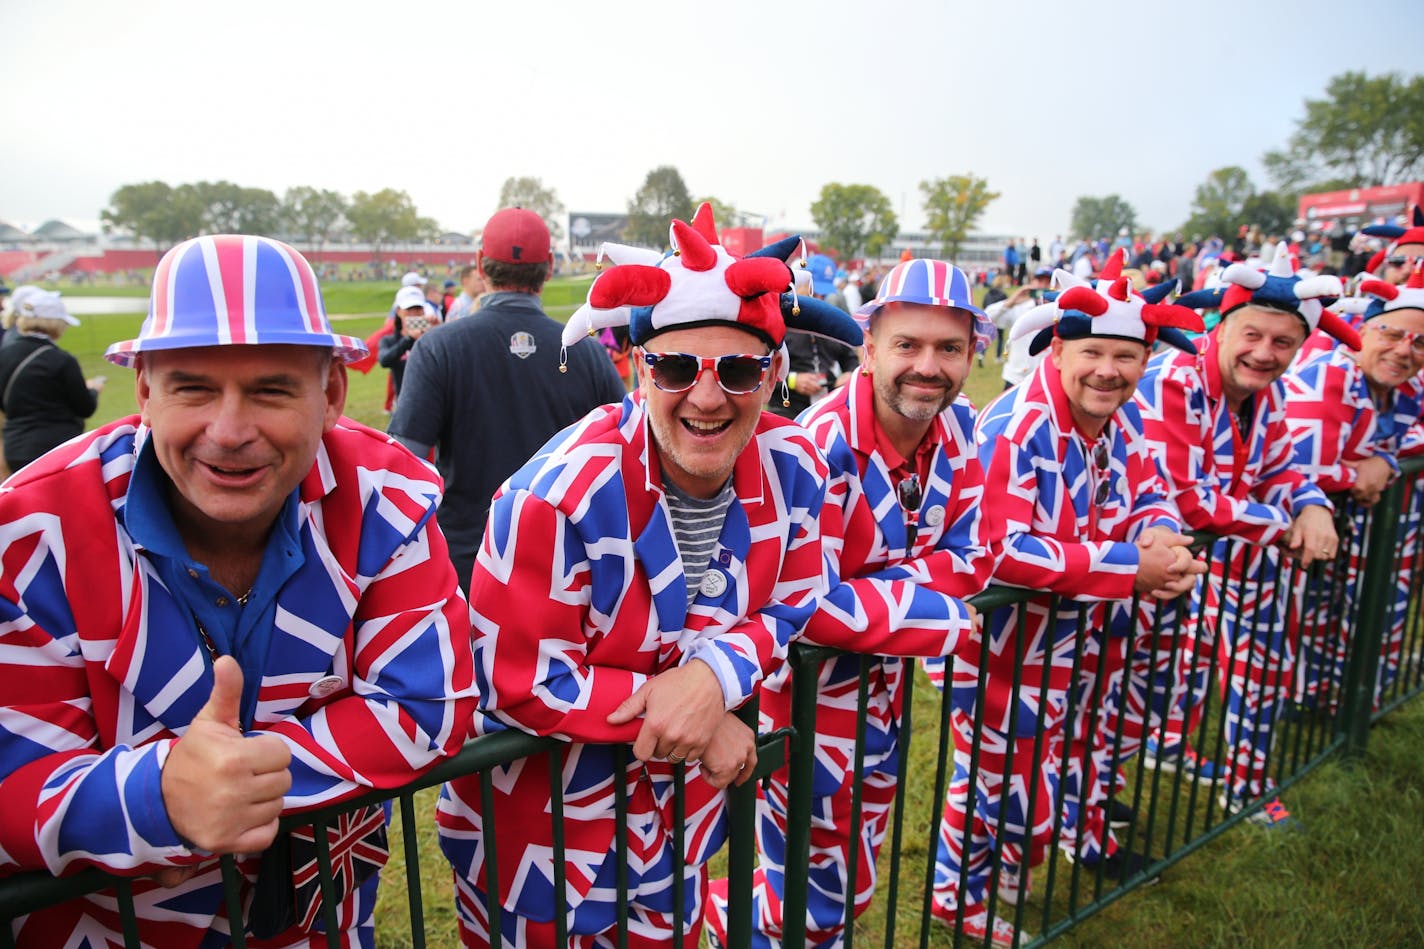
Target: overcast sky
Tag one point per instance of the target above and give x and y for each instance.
(757, 103)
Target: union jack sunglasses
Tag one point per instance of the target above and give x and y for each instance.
(736, 373)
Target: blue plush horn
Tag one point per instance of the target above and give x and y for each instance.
(810, 315)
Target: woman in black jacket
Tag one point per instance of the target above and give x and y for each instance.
(43, 392)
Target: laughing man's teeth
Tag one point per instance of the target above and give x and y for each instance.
(702, 426)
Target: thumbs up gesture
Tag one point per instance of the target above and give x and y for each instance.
(223, 790)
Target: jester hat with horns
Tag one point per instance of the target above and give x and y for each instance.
(1389, 298)
(698, 283)
(1110, 309)
(1278, 288)
(1398, 235)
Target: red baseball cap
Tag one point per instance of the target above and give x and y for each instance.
(516, 236)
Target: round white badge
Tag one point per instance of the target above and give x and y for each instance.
(714, 583)
(325, 686)
(934, 516)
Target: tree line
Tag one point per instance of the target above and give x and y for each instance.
(1366, 131)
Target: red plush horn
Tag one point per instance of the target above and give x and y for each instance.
(1113, 268)
(1416, 279)
(696, 251)
(753, 275)
(629, 285)
(1170, 314)
(1081, 298)
(1379, 288)
(1338, 328)
(1118, 290)
(705, 224)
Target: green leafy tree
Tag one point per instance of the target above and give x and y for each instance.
(1366, 131)
(1102, 217)
(855, 220)
(530, 193)
(1219, 202)
(313, 214)
(953, 205)
(155, 211)
(662, 197)
(726, 213)
(1272, 211)
(383, 218)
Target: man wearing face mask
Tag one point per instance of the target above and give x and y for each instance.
(907, 545)
(1070, 488)
(1217, 423)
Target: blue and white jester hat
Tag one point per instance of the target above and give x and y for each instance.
(1278, 288)
(1110, 309)
(929, 283)
(698, 283)
(234, 290)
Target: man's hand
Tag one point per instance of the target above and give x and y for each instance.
(1020, 295)
(681, 709)
(1312, 536)
(1372, 476)
(730, 756)
(1165, 568)
(810, 383)
(223, 791)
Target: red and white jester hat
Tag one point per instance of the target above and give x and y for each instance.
(698, 283)
(1388, 297)
(1279, 288)
(1110, 308)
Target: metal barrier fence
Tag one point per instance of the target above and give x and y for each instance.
(1348, 644)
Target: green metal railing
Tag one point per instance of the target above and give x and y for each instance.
(1356, 630)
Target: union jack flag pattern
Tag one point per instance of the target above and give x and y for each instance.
(1333, 419)
(104, 670)
(1240, 484)
(579, 597)
(889, 597)
(1069, 510)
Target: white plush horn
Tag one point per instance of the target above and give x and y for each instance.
(1325, 285)
(1243, 276)
(1034, 320)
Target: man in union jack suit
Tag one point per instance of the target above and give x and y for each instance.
(232, 606)
(1071, 489)
(1218, 429)
(639, 579)
(907, 544)
(1349, 414)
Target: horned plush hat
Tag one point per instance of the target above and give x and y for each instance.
(1278, 288)
(1110, 308)
(1398, 234)
(698, 283)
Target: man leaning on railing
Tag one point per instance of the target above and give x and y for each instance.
(638, 580)
(1348, 414)
(233, 606)
(906, 543)
(1218, 429)
(1071, 489)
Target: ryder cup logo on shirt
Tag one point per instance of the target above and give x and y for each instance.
(522, 345)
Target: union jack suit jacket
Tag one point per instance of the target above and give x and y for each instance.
(579, 597)
(885, 598)
(1334, 419)
(1221, 482)
(1041, 492)
(104, 669)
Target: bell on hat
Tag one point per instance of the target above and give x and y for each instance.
(234, 290)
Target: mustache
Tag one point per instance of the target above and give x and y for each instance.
(916, 377)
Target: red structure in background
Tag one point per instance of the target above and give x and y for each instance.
(1357, 207)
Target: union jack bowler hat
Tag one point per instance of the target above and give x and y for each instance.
(928, 282)
(234, 290)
